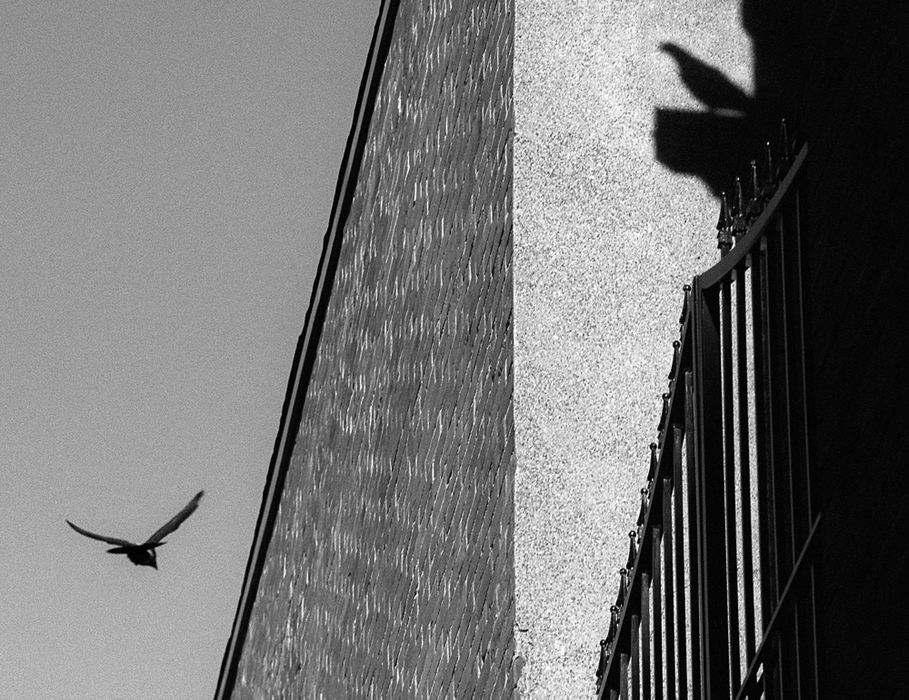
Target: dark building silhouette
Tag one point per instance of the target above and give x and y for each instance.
(856, 70)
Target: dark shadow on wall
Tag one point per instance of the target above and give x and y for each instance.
(717, 142)
(845, 65)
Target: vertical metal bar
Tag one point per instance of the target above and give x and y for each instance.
(669, 593)
(769, 591)
(800, 486)
(809, 640)
(635, 657)
(623, 678)
(782, 394)
(645, 632)
(709, 463)
(797, 338)
(732, 579)
(782, 463)
(775, 454)
(793, 416)
(678, 539)
(744, 464)
(812, 611)
(764, 442)
(657, 615)
(691, 487)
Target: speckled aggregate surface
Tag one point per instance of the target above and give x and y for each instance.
(604, 238)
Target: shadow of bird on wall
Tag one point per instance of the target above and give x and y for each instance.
(711, 143)
(707, 84)
(144, 554)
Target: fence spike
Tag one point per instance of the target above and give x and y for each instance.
(653, 465)
(632, 549)
(675, 359)
(613, 623)
(739, 223)
(770, 181)
(723, 227)
(686, 289)
(643, 512)
(754, 204)
(604, 657)
(725, 216)
(623, 587)
(665, 415)
(785, 153)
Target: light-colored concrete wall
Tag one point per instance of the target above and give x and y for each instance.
(604, 238)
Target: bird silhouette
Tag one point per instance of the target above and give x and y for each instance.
(708, 84)
(144, 554)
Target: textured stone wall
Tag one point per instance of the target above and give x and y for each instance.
(605, 236)
(390, 570)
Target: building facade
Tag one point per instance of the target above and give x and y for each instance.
(418, 540)
(383, 558)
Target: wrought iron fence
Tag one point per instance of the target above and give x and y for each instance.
(717, 596)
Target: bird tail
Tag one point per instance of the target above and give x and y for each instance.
(118, 550)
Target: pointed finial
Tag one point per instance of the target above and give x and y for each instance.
(739, 197)
(739, 225)
(642, 513)
(632, 549)
(604, 657)
(686, 289)
(725, 218)
(665, 414)
(613, 623)
(724, 227)
(623, 587)
(770, 179)
(754, 204)
(675, 359)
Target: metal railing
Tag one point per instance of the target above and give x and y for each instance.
(717, 597)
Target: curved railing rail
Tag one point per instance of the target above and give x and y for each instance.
(716, 597)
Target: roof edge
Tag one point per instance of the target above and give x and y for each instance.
(307, 344)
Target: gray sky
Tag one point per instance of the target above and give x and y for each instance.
(166, 174)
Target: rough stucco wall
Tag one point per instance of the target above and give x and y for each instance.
(605, 236)
(390, 571)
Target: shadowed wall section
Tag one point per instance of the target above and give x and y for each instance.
(389, 571)
(856, 251)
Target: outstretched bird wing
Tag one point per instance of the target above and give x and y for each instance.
(175, 521)
(109, 540)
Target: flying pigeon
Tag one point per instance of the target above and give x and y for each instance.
(144, 554)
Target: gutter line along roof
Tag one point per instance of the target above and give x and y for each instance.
(307, 345)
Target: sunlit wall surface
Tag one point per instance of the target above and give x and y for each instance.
(627, 115)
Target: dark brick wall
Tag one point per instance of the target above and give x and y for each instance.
(390, 568)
